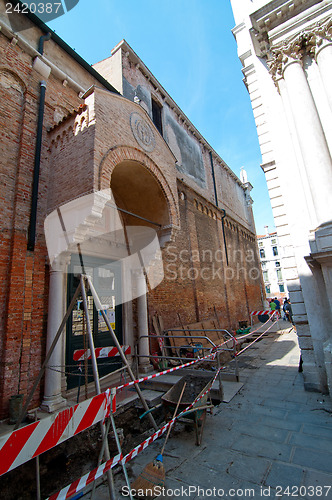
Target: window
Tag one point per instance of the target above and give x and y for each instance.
(268, 289)
(156, 116)
(275, 251)
(281, 287)
(277, 263)
(279, 274)
(265, 275)
(260, 243)
(274, 242)
(262, 253)
(263, 264)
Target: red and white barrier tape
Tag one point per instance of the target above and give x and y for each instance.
(88, 478)
(169, 370)
(30, 441)
(202, 395)
(260, 336)
(260, 313)
(81, 483)
(272, 315)
(101, 352)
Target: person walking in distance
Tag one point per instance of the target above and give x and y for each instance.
(277, 303)
(288, 311)
(273, 306)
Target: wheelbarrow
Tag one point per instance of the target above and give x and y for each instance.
(196, 415)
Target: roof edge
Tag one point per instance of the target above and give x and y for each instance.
(71, 52)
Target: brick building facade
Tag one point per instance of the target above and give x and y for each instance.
(108, 129)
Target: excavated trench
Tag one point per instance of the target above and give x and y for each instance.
(75, 457)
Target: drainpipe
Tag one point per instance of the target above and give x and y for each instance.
(223, 232)
(43, 39)
(35, 182)
(214, 179)
(224, 211)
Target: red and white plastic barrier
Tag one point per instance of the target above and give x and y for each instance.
(30, 441)
(260, 313)
(260, 336)
(101, 352)
(81, 483)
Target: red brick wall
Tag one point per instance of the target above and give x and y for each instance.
(197, 277)
(23, 274)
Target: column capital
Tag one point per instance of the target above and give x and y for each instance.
(288, 52)
(323, 34)
(317, 37)
(308, 42)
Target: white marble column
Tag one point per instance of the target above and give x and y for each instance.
(142, 321)
(311, 137)
(324, 62)
(53, 400)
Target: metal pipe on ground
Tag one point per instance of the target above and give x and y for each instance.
(107, 455)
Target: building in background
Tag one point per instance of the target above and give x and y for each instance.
(285, 47)
(68, 138)
(271, 257)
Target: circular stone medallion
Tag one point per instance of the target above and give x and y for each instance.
(142, 132)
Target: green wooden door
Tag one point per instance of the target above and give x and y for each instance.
(106, 279)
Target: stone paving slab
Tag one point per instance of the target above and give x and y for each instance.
(317, 430)
(262, 431)
(284, 475)
(258, 447)
(313, 459)
(311, 442)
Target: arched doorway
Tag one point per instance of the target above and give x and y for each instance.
(118, 250)
(143, 203)
(137, 190)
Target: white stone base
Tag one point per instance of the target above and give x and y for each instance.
(328, 363)
(53, 403)
(144, 369)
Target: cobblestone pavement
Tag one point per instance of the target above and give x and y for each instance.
(272, 440)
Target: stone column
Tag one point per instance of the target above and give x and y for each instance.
(323, 54)
(324, 62)
(53, 400)
(311, 137)
(142, 321)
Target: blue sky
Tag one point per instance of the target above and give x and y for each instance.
(189, 47)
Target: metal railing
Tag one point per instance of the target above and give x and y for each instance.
(218, 349)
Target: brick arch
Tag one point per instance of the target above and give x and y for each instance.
(15, 77)
(115, 155)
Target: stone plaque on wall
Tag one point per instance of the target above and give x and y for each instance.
(142, 131)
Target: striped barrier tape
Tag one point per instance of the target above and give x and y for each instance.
(30, 441)
(88, 478)
(260, 313)
(20, 446)
(260, 336)
(272, 315)
(101, 352)
(169, 370)
(79, 484)
(84, 481)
